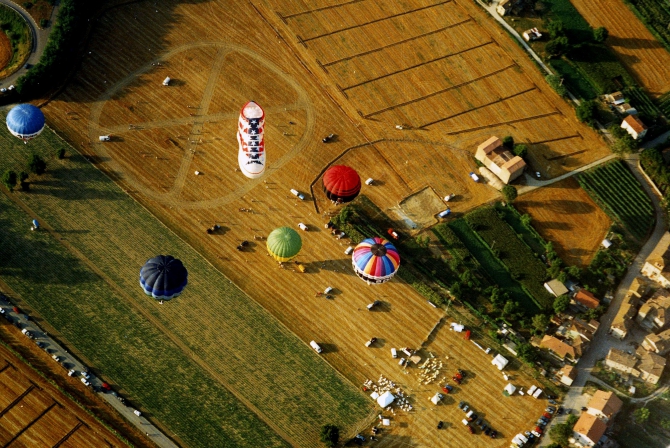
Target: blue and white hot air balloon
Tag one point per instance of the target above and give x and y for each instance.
(163, 277)
(25, 121)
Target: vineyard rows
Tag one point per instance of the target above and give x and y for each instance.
(656, 15)
(621, 196)
(664, 103)
(641, 101)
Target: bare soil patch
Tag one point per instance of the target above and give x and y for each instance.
(5, 50)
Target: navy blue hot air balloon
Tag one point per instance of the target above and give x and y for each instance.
(163, 277)
(25, 121)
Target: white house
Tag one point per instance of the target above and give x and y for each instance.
(634, 126)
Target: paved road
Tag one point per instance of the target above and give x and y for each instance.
(70, 362)
(40, 38)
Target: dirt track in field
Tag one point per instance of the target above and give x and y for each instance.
(631, 41)
(565, 214)
(161, 135)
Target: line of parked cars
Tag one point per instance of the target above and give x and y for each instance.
(472, 420)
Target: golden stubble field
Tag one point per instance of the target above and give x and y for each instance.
(161, 135)
(631, 41)
(34, 413)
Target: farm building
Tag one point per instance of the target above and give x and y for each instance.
(626, 108)
(532, 34)
(658, 343)
(588, 430)
(560, 349)
(586, 299)
(651, 366)
(567, 375)
(604, 405)
(500, 160)
(634, 126)
(499, 361)
(556, 287)
(655, 266)
(654, 315)
(615, 98)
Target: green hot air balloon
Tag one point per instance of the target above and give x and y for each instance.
(283, 244)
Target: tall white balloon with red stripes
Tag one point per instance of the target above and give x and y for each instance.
(251, 140)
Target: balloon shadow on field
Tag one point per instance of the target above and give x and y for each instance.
(328, 348)
(343, 266)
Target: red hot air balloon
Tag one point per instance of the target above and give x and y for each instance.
(341, 183)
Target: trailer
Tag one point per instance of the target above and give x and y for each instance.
(369, 181)
(537, 393)
(474, 177)
(444, 214)
(467, 335)
(449, 197)
(105, 138)
(437, 398)
(166, 81)
(295, 192)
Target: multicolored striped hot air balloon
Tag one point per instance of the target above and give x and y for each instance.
(375, 260)
(341, 183)
(163, 277)
(283, 244)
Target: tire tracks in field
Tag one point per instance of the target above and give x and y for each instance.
(170, 198)
(144, 312)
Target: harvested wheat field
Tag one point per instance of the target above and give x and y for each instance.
(439, 69)
(34, 413)
(564, 214)
(631, 41)
(162, 135)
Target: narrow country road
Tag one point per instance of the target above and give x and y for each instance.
(40, 38)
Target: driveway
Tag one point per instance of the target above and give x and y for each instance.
(40, 38)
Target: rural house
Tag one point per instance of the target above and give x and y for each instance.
(651, 366)
(555, 287)
(500, 160)
(655, 266)
(588, 430)
(622, 362)
(560, 349)
(604, 405)
(531, 34)
(658, 343)
(586, 299)
(615, 98)
(634, 126)
(626, 108)
(623, 321)
(654, 315)
(567, 374)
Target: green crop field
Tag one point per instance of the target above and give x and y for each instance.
(198, 364)
(491, 266)
(620, 195)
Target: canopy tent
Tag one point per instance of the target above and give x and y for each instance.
(457, 327)
(499, 361)
(509, 389)
(374, 395)
(385, 399)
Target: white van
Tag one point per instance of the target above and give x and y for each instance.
(369, 181)
(316, 347)
(444, 213)
(469, 414)
(302, 226)
(349, 250)
(166, 81)
(295, 192)
(105, 138)
(394, 353)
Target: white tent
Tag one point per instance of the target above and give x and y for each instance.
(385, 399)
(457, 327)
(510, 389)
(499, 361)
(374, 395)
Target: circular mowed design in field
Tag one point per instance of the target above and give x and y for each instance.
(159, 136)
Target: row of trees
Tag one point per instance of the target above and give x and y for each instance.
(559, 43)
(35, 165)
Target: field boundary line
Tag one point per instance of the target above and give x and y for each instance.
(499, 100)
(386, 109)
(303, 40)
(409, 39)
(17, 399)
(69, 434)
(151, 318)
(312, 11)
(32, 422)
(557, 139)
(446, 56)
(503, 123)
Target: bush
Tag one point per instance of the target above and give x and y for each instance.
(556, 83)
(44, 23)
(558, 46)
(520, 150)
(37, 165)
(600, 34)
(561, 303)
(508, 141)
(60, 154)
(586, 112)
(509, 193)
(9, 179)
(330, 435)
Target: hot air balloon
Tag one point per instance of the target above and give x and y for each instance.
(251, 127)
(375, 260)
(25, 121)
(163, 277)
(283, 244)
(341, 183)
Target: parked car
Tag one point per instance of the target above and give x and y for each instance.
(479, 422)
(447, 388)
(106, 387)
(461, 405)
(465, 408)
(560, 410)
(374, 304)
(85, 381)
(539, 430)
(440, 424)
(56, 358)
(471, 429)
(584, 408)
(550, 409)
(494, 433)
(86, 374)
(456, 379)
(71, 372)
(328, 138)
(552, 402)
(547, 415)
(487, 431)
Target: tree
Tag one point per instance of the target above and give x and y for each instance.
(330, 435)
(508, 141)
(556, 83)
(37, 165)
(561, 303)
(520, 150)
(527, 353)
(9, 179)
(525, 219)
(23, 176)
(558, 46)
(624, 145)
(555, 29)
(665, 423)
(540, 322)
(574, 272)
(600, 34)
(554, 445)
(509, 193)
(641, 415)
(587, 111)
(510, 308)
(617, 131)
(562, 277)
(560, 434)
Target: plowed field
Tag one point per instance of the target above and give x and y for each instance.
(631, 41)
